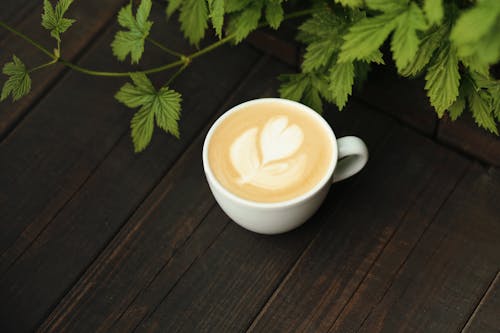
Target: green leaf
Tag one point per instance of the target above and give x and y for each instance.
(480, 105)
(293, 86)
(307, 88)
(54, 20)
(142, 127)
(376, 57)
(193, 18)
(361, 70)
(216, 8)
(341, 82)
(236, 5)
(366, 36)
(274, 13)
(434, 11)
(405, 42)
(245, 22)
(163, 105)
(457, 108)
(475, 33)
(431, 40)
(19, 82)
(387, 6)
(132, 41)
(318, 54)
(442, 79)
(172, 6)
(350, 3)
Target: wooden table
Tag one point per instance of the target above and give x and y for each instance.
(95, 238)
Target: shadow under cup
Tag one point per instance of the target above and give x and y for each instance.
(271, 217)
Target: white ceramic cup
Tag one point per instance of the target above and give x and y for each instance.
(349, 157)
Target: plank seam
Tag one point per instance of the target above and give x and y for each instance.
(480, 302)
(401, 219)
(424, 232)
(292, 269)
(88, 268)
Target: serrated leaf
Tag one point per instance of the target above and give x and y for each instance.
(431, 40)
(313, 100)
(245, 22)
(132, 41)
(172, 6)
(54, 20)
(387, 5)
(142, 127)
(274, 13)
(361, 70)
(350, 3)
(442, 79)
(19, 82)
(434, 11)
(376, 57)
(366, 36)
(476, 22)
(163, 105)
(193, 18)
(475, 34)
(292, 86)
(341, 82)
(405, 42)
(480, 105)
(236, 5)
(216, 8)
(318, 54)
(457, 108)
(306, 88)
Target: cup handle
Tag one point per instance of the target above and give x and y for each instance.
(353, 156)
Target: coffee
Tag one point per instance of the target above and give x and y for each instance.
(270, 152)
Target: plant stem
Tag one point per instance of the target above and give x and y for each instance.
(164, 48)
(184, 61)
(50, 63)
(26, 38)
(176, 74)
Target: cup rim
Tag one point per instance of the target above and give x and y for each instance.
(279, 204)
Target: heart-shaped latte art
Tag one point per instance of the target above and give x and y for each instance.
(277, 143)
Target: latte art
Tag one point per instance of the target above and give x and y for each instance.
(275, 167)
(269, 152)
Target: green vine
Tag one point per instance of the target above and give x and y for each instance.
(452, 44)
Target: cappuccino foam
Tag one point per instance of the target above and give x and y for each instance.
(270, 152)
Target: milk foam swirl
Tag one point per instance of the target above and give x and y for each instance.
(267, 161)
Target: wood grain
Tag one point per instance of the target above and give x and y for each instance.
(485, 317)
(407, 174)
(227, 286)
(58, 245)
(182, 199)
(451, 268)
(466, 136)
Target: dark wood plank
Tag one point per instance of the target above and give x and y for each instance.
(404, 183)
(466, 136)
(88, 305)
(58, 145)
(92, 16)
(14, 11)
(68, 243)
(225, 289)
(452, 266)
(485, 318)
(238, 272)
(181, 201)
(403, 98)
